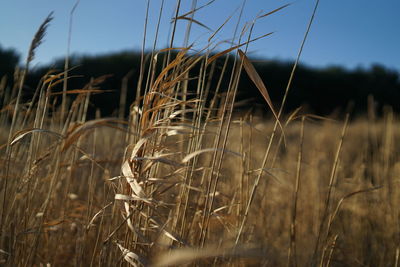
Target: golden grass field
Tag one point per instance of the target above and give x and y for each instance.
(184, 181)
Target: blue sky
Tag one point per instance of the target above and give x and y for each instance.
(350, 33)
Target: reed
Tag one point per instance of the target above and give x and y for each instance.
(187, 180)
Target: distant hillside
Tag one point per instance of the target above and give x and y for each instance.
(320, 91)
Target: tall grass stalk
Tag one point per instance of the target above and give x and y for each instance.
(187, 178)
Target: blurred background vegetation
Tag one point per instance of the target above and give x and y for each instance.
(323, 91)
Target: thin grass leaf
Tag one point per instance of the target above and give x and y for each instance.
(137, 147)
(96, 215)
(170, 66)
(128, 216)
(341, 201)
(82, 91)
(169, 235)
(51, 77)
(161, 159)
(82, 129)
(195, 21)
(218, 55)
(132, 258)
(256, 79)
(130, 178)
(198, 152)
(197, 9)
(170, 49)
(220, 27)
(273, 11)
(4, 252)
(53, 84)
(132, 198)
(21, 134)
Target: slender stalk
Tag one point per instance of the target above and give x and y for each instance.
(330, 190)
(66, 63)
(292, 260)
(267, 152)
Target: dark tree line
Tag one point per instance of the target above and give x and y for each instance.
(320, 91)
(9, 59)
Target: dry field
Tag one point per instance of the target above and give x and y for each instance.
(185, 181)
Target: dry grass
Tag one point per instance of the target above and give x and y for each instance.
(188, 181)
